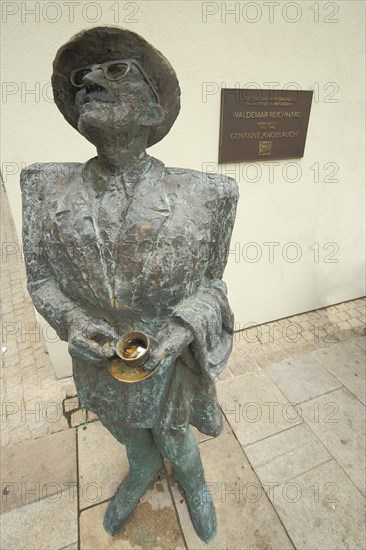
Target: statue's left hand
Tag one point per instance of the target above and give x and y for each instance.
(91, 339)
(172, 339)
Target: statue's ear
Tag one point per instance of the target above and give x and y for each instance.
(153, 116)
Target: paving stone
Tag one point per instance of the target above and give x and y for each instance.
(67, 389)
(343, 325)
(79, 418)
(251, 349)
(82, 418)
(338, 420)
(302, 378)
(344, 315)
(102, 464)
(49, 523)
(342, 307)
(278, 355)
(346, 362)
(51, 393)
(254, 407)
(10, 351)
(294, 350)
(38, 468)
(12, 372)
(43, 360)
(20, 434)
(38, 351)
(59, 424)
(39, 431)
(263, 361)
(239, 363)
(322, 509)
(246, 365)
(226, 374)
(344, 335)
(361, 341)
(32, 414)
(354, 312)
(356, 322)
(245, 516)
(26, 361)
(7, 308)
(45, 372)
(269, 345)
(47, 383)
(287, 454)
(25, 345)
(5, 437)
(28, 372)
(31, 382)
(153, 525)
(32, 391)
(14, 420)
(13, 360)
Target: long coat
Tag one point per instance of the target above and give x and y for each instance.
(135, 260)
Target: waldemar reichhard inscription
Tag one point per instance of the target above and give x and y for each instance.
(124, 259)
(263, 124)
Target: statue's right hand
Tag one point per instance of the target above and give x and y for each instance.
(91, 339)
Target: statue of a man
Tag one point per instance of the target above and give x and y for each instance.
(122, 243)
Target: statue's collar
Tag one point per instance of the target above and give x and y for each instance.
(128, 181)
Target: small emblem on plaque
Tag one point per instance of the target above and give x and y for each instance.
(265, 148)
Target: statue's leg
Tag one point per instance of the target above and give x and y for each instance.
(145, 462)
(181, 449)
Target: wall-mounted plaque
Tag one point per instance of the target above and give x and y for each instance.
(263, 124)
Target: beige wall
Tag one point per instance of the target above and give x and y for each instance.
(314, 203)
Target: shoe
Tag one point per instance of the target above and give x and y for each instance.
(202, 511)
(128, 495)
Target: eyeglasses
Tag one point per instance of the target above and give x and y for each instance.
(112, 70)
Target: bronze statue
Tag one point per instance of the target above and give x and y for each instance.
(123, 244)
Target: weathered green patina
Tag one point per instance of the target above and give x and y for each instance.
(123, 243)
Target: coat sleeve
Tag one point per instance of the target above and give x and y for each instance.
(227, 195)
(207, 313)
(211, 322)
(47, 297)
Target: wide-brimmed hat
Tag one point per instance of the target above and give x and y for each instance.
(101, 44)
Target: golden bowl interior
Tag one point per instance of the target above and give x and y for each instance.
(133, 348)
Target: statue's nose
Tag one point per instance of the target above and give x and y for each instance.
(96, 76)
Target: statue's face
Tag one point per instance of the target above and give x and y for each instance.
(122, 105)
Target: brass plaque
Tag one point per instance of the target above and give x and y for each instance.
(263, 124)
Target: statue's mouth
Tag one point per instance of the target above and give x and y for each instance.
(94, 92)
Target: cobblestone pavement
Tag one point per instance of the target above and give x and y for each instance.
(287, 472)
(31, 397)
